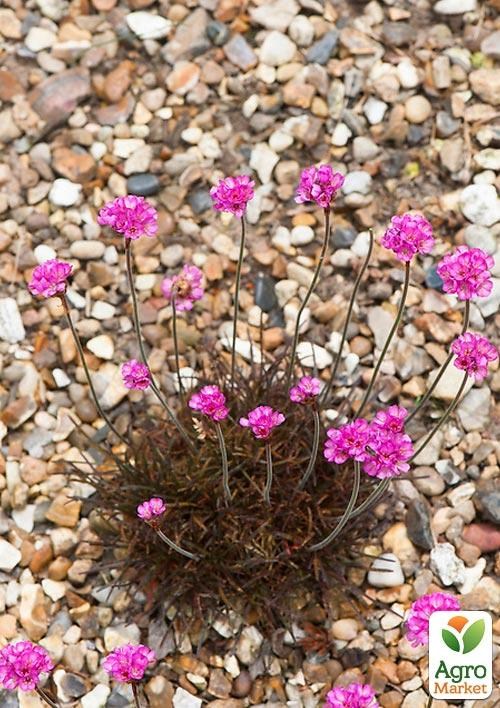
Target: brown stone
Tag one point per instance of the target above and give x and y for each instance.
(33, 612)
(116, 112)
(272, 338)
(58, 569)
(41, 557)
(10, 85)
(440, 329)
(17, 412)
(118, 80)
(213, 267)
(64, 511)
(297, 93)
(75, 166)
(219, 685)
(242, 684)
(8, 626)
(57, 97)
(183, 77)
(485, 536)
(160, 692)
(104, 5)
(33, 471)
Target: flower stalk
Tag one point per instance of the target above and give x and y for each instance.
(269, 474)
(314, 450)
(236, 308)
(135, 691)
(225, 466)
(43, 695)
(176, 349)
(172, 544)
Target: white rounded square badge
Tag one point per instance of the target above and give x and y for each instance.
(460, 655)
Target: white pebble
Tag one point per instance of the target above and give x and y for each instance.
(386, 572)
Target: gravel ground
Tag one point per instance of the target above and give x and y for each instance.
(103, 97)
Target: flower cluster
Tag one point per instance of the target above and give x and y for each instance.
(129, 663)
(50, 278)
(185, 288)
(466, 273)
(262, 420)
(417, 623)
(355, 695)
(131, 216)
(306, 390)
(211, 402)
(232, 194)
(320, 185)
(135, 375)
(21, 666)
(151, 509)
(473, 354)
(381, 446)
(408, 235)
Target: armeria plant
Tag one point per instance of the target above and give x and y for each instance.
(243, 509)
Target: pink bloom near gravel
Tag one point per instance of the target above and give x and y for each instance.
(151, 509)
(306, 389)
(211, 402)
(131, 216)
(50, 278)
(392, 419)
(390, 454)
(135, 375)
(408, 235)
(262, 420)
(320, 185)
(355, 695)
(232, 194)
(185, 287)
(129, 663)
(417, 624)
(348, 442)
(21, 665)
(474, 353)
(466, 273)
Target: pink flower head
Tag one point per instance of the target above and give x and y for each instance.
(21, 665)
(392, 419)
(465, 273)
(320, 185)
(408, 235)
(131, 216)
(49, 278)
(356, 695)
(474, 354)
(417, 624)
(306, 390)
(388, 454)
(129, 663)
(211, 402)
(348, 442)
(262, 420)
(232, 194)
(136, 375)
(151, 509)
(185, 287)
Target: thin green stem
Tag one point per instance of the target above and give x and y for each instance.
(174, 546)
(388, 341)
(76, 338)
(314, 451)
(442, 420)
(225, 466)
(347, 514)
(172, 415)
(45, 697)
(326, 239)
(176, 348)
(443, 368)
(237, 299)
(378, 492)
(135, 305)
(350, 309)
(269, 476)
(135, 691)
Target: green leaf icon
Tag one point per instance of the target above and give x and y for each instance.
(450, 640)
(473, 636)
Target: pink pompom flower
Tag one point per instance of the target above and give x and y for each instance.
(355, 695)
(417, 623)
(21, 666)
(135, 375)
(388, 454)
(348, 442)
(320, 185)
(150, 510)
(131, 216)
(474, 353)
(408, 235)
(211, 402)
(50, 278)
(129, 663)
(466, 273)
(262, 420)
(185, 288)
(232, 194)
(392, 419)
(306, 390)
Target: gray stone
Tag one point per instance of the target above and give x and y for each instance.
(217, 32)
(143, 184)
(240, 53)
(199, 200)
(322, 50)
(446, 125)
(264, 293)
(190, 38)
(418, 524)
(474, 410)
(446, 565)
(398, 33)
(477, 236)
